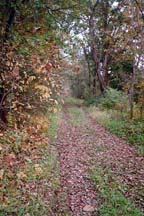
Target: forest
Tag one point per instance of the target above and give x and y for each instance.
(71, 108)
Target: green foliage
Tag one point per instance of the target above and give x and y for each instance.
(78, 84)
(113, 201)
(120, 71)
(90, 99)
(15, 141)
(71, 101)
(77, 116)
(117, 127)
(88, 96)
(93, 101)
(54, 120)
(132, 131)
(114, 99)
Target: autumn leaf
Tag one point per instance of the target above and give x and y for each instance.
(10, 158)
(48, 66)
(38, 169)
(21, 175)
(1, 174)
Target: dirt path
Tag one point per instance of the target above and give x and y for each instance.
(74, 163)
(82, 148)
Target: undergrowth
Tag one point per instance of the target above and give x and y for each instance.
(54, 120)
(71, 101)
(111, 195)
(77, 116)
(131, 130)
(29, 173)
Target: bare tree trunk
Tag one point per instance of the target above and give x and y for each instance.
(131, 103)
(2, 110)
(88, 65)
(101, 67)
(10, 20)
(141, 110)
(11, 16)
(9, 23)
(94, 85)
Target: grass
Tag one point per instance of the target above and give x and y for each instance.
(131, 130)
(76, 113)
(111, 195)
(71, 101)
(77, 116)
(52, 130)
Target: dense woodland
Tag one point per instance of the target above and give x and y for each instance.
(51, 51)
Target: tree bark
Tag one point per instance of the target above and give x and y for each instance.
(11, 16)
(9, 23)
(2, 110)
(101, 66)
(88, 65)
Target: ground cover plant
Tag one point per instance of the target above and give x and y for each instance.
(29, 169)
(113, 201)
(112, 112)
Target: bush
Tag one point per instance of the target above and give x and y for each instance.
(91, 100)
(114, 99)
(117, 127)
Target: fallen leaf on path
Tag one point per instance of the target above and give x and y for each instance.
(1, 174)
(88, 208)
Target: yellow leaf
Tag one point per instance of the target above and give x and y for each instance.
(1, 174)
(38, 169)
(56, 102)
(21, 175)
(54, 110)
(29, 106)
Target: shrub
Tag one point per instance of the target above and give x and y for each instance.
(117, 127)
(91, 100)
(114, 99)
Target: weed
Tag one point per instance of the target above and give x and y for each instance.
(71, 101)
(30, 170)
(132, 131)
(113, 201)
(54, 120)
(114, 99)
(77, 116)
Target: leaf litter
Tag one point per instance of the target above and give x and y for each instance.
(82, 148)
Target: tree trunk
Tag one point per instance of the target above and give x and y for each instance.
(88, 65)
(9, 23)
(94, 85)
(141, 110)
(3, 112)
(11, 16)
(131, 106)
(95, 52)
